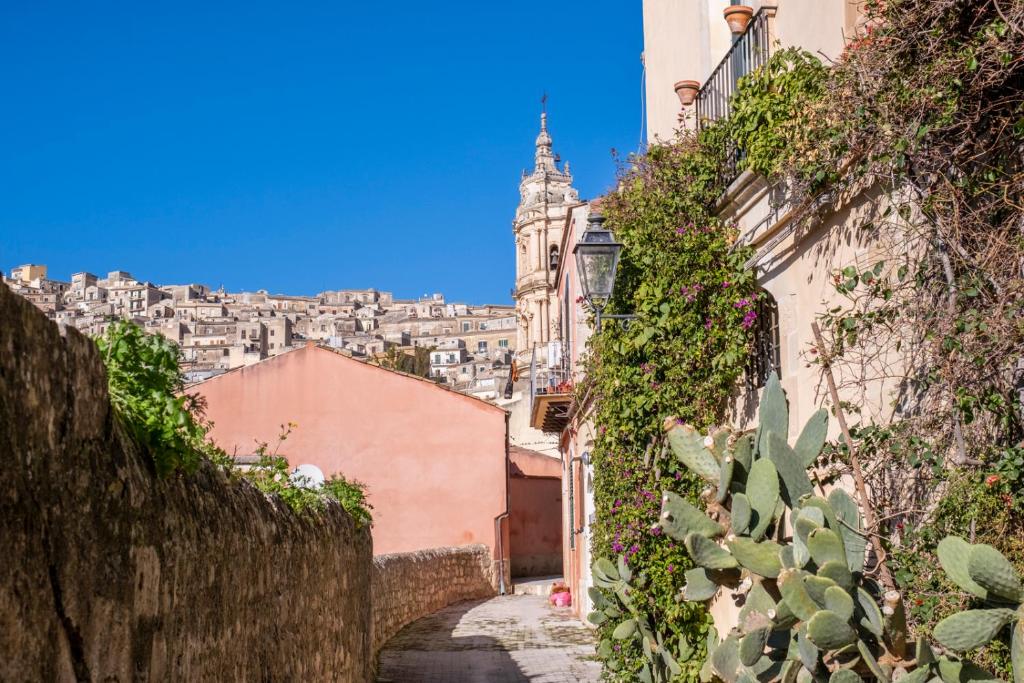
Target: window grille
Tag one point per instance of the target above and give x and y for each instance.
(764, 352)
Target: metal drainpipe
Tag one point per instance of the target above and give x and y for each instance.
(503, 515)
(501, 554)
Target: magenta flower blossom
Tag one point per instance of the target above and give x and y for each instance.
(748, 320)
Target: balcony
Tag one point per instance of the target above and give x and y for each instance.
(749, 51)
(551, 398)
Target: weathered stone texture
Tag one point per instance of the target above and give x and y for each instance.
(407, 586)
(110, 573)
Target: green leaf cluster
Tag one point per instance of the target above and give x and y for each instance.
(146, 389)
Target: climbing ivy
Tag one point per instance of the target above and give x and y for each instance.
(681, 359)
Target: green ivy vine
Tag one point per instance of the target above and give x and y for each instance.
(682, 358)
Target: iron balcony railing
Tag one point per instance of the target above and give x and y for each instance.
(749, 51)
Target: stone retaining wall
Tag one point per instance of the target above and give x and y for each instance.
(108, 572)
(407, 586)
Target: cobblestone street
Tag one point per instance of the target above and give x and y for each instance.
(513, 638)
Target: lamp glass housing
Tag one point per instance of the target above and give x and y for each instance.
(597, 258)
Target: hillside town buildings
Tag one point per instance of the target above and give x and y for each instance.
(218, 331)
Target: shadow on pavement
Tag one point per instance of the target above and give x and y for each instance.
(428, 651)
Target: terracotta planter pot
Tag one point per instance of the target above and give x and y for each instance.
(687, 91)
(738, 16)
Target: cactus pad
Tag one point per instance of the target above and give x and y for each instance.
(795, 483)
(743, 452)
(839, 601)
(812, 438)
(828, 631)
(752, 645)
(724, 477)
(688, 446)
(773, 412)
(837, 572)
(795, 594)
(850, 523)
(760, 558)
(680, 518)
(625, 630)
(825, 546)
(725, 659)
(816, 587)
(763, 493)
(759, 602)
(954, 554)
(699, 586)
(708, 554)
(806, 651)
(967, 630)
(995, 574)
(872, 619)
(740, 513)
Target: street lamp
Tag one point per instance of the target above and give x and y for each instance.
(597, 258)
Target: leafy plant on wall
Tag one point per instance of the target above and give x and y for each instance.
(683, 277)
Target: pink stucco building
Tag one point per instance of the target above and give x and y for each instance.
(435, 462)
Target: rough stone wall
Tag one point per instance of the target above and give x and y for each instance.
(110, 573)
(407, 586)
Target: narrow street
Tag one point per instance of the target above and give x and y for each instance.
(507, 639)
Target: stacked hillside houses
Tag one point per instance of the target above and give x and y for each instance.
(470, 347)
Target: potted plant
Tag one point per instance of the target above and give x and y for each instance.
(738, 16)
(687, 91)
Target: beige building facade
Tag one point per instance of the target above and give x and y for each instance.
(690, 40)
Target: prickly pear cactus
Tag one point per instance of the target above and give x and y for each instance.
(796, 560)
(612, 598)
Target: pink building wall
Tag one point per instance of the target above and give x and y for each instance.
(576, 438)
(535, 514)
(434, 460)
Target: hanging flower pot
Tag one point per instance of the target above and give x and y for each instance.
(738, 16)
(687, 91)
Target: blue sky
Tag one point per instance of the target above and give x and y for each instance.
(301, 146)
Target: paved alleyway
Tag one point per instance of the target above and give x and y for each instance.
(508, 639)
